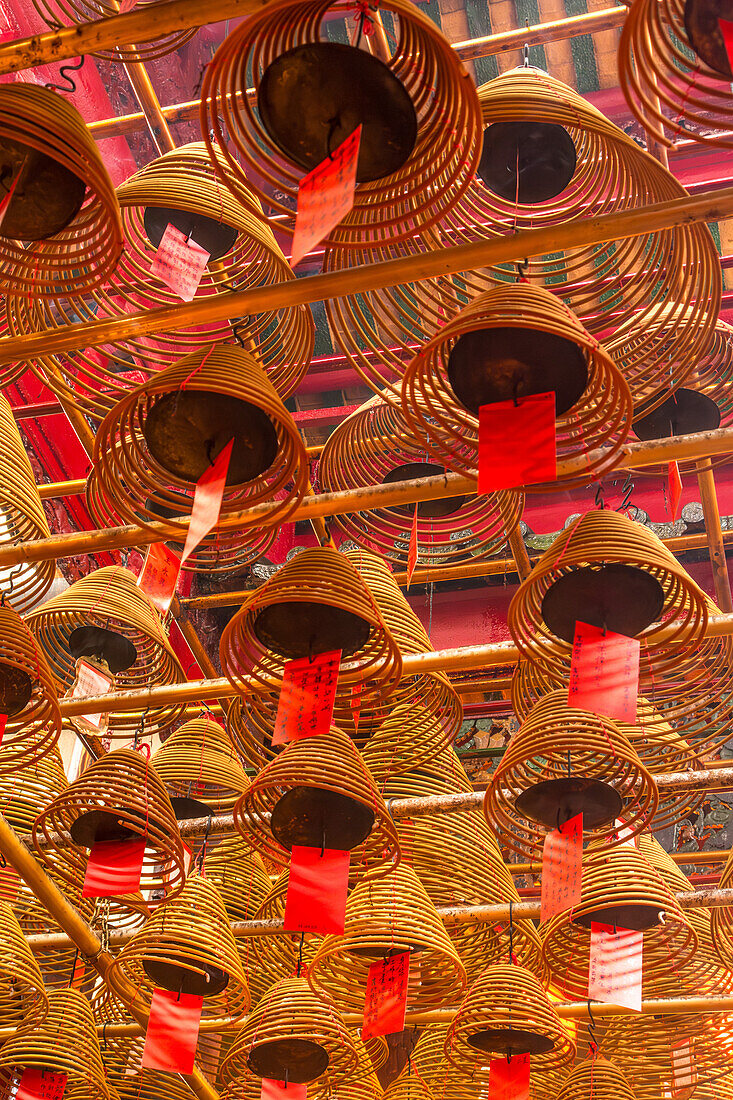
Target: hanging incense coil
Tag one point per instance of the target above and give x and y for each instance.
(315, 603)
(620, 887)
(62, 224)
(707, 1051)
(373, 446)
(154, 446)
(68, 13)
(64, 1042)
(506, 1012)
(565, 761)
(609, 572)
(412, 167)
(180, 188)
(28, 700)
(627, 286)
(23, 998)
(187, 946)
(24, 519)
(430, 1065)
(25, 792)
(317, 792)
(293, 1034)
(106, 617)
(675, 71)
(119, 797)
(512, 342)
(239, 875)
(267, 959)
(598, 1078)
(386, 915)
(458, 861)
(200, 770)
(721, 920)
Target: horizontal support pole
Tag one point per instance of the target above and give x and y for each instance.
(712, 206)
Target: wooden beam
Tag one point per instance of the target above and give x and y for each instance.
(714, 534)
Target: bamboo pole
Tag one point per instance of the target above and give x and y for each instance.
(156, 121)
(714, 534)
(604, 228)
(642, 453)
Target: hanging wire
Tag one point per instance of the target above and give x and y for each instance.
(64, 71)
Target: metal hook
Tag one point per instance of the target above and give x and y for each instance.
(511, 931)
(70, 85)
(7, 593)
(600, 497)
(526, 55)
(522, 268)
(593, 1044)
(627, 490)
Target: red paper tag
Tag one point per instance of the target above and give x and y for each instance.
(325, 196)
(684, 1070)
(614, 971)
(412, 552)
(307, 695)
(114, 868)
(317, 885)
(279, 1090)
(3, 724)
(179, 263)
(726, 29)
(91, 680)
(40, 1084)
(509, 1078)
(516, 443)
(386, 996)
(604, 673)
(159, 575)
(5, 203)
(562, 868)
(207, 500)
(675, 483)
(173, 1031)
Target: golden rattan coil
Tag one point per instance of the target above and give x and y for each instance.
(68, 13)
(721, 920)
(605, 570)
(408, 1086)
(23, 998)
(444, 1081)
(364, 1085)
(675, 71)
(458, 861)
(294, 1034)
(318, 792)
(375, 445)
(119, 797)
(65, 1042)
(187, 946)
(505, 1012)
(563, 761)
(420, 142)
(315, 603)
(25, 792)
(180, 188)
(24, 518)
(387, 914)
(619, 887)
(106, 617)
(62, 224)
(626, 286)
(595, 1078)
(466, 365)
(155, 444)
(239, 875)
(267, 959)
(28, 696)
(200, 769)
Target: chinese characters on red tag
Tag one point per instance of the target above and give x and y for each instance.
(386, 996)
(317, 886)
(516, 443)
(173, 1031)
(114, 868)
(307, 695)
(325, 196)
(614, 970)
(562, 868)
(159, 575)
(179, 263)
(604, 673)
(40, 1084)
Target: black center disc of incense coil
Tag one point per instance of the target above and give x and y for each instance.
(379, 951)
(510, 1041)
(16, 689)
(705, 35)
(173, 974)
(315, 817)
(298, 1060)
(47, 197)
(186, 808)
(621, 598)
(298, 628)
(554, 801)
(544, 151)
(426, 509)
(99, 642)
(684, 413)
(216, 238)
(186, 430)
(637, 918)
(499, 364)
(99, 825)
(313, 97)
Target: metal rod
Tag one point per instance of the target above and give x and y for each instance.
(144, 91)
(714, 534)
